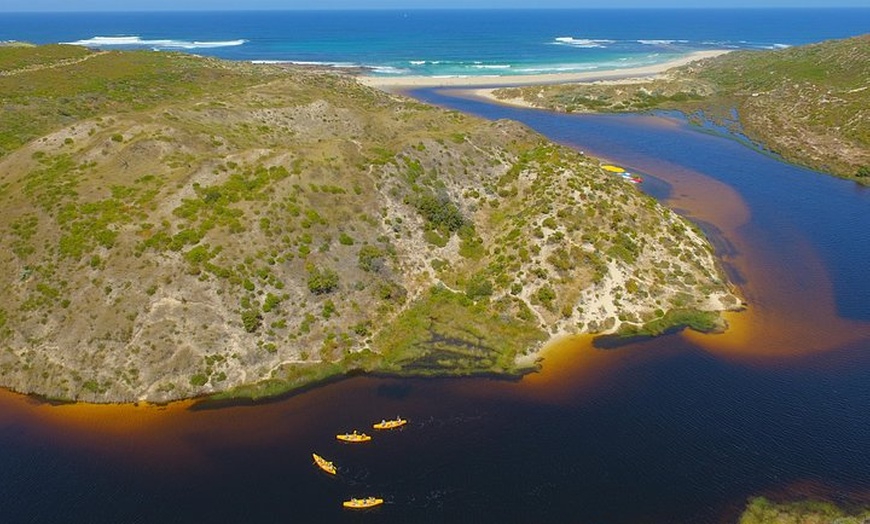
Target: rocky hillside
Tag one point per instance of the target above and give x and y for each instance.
(809, 103)
(178, 226)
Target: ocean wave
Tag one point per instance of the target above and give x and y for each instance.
(582, 42)
(444, 62)
(307, 63)
(386, 70)
(135, 41)
(431, 62)
(491, 66)
(556, 68)
(661, 42)
(742, 44)
(335, 65)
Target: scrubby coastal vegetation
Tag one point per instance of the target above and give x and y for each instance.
(763, 511)
(179, 226)
(808, 103)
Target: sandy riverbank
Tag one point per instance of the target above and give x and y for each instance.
(410, 82)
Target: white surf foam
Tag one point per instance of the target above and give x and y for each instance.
(662, 42)
(343, 65)
(582, 42)
(135, 41)
(492, 66)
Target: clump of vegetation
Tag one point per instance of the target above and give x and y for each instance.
(251, 320)
(703, 321)
(371, 258)
(322, 280)
(763, 511)
(445, 330)
(440, 212)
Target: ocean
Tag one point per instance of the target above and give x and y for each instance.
(681, 429)
(447, 42)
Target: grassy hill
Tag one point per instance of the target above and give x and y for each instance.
(808, 103)
(179, 226)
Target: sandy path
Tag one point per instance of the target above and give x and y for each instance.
(61, 63)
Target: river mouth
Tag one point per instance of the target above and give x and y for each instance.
(680, 428)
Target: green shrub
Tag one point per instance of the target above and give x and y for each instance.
(198, 380)
(370, 258)
(478, 287)
(362, 329)
(328, 309)
(321, 281)
(345, 239)
(393, 292)
(198, 255)
(251, 320)
(440, 212)
(434, 238)
(546, 296)
(271, 302)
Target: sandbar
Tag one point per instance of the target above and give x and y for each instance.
(409, 82)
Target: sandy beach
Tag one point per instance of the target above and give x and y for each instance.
(399, 83)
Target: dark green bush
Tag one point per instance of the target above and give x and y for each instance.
(321, 281)
(251, 320)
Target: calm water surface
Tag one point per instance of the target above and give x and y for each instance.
(681, 429)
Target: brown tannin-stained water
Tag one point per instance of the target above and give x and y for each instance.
(679, 429)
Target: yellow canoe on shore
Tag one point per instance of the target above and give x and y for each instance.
(390, 424)
(353, 437)
(367, 502)
(612, 169)
(324, 464)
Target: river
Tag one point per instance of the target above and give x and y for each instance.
(679, 429)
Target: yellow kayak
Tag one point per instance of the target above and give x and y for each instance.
(353, 437)
(612, 169)
(324, 464)
(390, 424)
(367, 502)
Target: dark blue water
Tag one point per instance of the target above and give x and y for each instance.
(453, 43)
(669, 435)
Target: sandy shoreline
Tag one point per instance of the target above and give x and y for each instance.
(410, 82)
